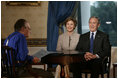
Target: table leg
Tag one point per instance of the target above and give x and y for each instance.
(113, 71)
(62, 74)
(114, 66)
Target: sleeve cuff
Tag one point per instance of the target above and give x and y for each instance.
(97, 55)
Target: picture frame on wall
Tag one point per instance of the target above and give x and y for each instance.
(23, 3)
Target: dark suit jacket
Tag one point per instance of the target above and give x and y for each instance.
(101, 44)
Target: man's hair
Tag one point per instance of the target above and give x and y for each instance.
(96, 18)
(71, 19)
(19, 24)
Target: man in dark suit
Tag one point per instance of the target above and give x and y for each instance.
(95, 44)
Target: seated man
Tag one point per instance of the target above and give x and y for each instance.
(17, 40)
(96, 46)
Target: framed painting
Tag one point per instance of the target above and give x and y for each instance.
(23, 3)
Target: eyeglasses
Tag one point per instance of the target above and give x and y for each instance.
(27, 28)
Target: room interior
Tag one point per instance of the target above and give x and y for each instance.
(37, 16)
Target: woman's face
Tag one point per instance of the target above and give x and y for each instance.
(70, 26)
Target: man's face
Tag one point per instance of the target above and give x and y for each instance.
(27, 29)
(93, 24)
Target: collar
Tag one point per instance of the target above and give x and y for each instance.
(93, 32)
(71, 34)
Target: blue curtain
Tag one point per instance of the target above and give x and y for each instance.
(58, 11)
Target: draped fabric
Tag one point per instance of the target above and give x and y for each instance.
(58, 11)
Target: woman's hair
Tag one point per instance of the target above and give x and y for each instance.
(71, 19)
(19, 24)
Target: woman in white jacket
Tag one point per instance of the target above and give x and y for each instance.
(67, 41)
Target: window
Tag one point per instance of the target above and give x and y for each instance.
(107, 12)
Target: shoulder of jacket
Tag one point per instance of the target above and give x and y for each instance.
(77, 34)
(102, 33)
(85, 34)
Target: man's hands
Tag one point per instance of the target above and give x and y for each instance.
(36, 60)
(89, 56)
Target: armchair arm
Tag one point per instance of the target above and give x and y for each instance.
(106, 63)
(104, 59)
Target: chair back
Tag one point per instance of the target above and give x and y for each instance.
(10, 67)
(107, 62)
(7, 62)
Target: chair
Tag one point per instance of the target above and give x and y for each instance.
(114, 70)
(105, 69)
(9, 65)
(8, 68)
(106, 63)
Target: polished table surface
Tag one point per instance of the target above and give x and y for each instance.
(63, 58)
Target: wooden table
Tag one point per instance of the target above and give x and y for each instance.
(62, 59)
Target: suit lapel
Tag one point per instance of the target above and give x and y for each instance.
(88, 40)
(97, 37)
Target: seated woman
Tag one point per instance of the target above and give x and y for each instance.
(67, 41)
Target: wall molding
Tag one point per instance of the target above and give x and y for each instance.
(34, 42)
(23, 3)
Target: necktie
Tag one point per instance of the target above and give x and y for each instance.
(91, 43)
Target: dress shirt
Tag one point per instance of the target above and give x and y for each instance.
(18, 42)
(93, 34)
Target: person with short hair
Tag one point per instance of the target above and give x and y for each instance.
(17, 40)
(95, 44)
